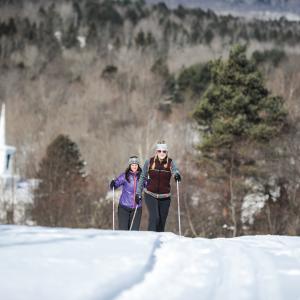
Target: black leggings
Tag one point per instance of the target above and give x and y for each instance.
(158, 212)
(125, 216)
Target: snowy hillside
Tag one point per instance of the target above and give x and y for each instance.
(42, 263)
(248, 9)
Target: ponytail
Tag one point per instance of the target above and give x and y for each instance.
(153, 165)
(166, 164)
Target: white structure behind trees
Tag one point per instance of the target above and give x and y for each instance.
(15, 194)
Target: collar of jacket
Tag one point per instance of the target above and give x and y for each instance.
(134, 173)
(164, 161)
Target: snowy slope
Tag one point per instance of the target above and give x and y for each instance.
(249, 9)
(53, 263)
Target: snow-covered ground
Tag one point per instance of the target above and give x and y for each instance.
(88, 264)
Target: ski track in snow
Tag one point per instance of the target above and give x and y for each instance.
(244, 270)
(236, 265)
(130, 281)
(88, 264)
(247, 272)
(278, 267)
(179, 272)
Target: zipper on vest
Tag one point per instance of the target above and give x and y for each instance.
(158, 181)
(134, 190)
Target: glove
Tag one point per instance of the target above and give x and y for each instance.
(138, 199)
(177, 177)
(112, 184)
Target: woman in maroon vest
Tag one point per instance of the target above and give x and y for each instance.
(157, 171)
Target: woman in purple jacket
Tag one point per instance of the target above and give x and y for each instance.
(129, 182)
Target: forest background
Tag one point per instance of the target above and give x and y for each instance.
(89, 83)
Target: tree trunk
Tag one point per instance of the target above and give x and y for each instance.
(232, 202)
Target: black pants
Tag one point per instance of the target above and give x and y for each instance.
(158, 212)
(125, 216)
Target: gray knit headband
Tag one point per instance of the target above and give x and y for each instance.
(133, 160)
(162, 146)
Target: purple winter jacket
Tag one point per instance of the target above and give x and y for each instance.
(127, 198)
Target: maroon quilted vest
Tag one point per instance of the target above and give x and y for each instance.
(159, 177)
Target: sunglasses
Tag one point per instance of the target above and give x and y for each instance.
(161, 151)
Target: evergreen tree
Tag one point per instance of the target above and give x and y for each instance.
(60, 198)
(208, 36)
(140, 39)
(70, 36)
(195, 79)
(235, 110)
(236, 106)
(132, 15)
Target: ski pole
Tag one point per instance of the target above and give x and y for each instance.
(178, 206)
(133, 218)
(113, 208)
